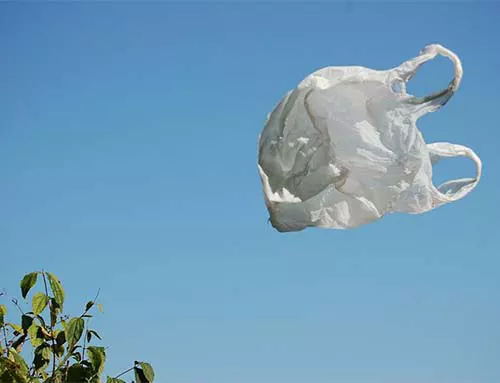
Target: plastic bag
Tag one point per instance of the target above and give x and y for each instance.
(343, 148)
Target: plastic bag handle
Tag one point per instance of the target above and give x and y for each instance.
(455, 189)
(409, 68)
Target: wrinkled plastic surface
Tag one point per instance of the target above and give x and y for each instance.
(343, 148)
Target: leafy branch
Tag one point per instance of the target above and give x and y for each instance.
(55, 342)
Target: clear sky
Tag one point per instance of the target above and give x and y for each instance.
(128, 140)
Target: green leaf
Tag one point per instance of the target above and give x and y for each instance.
(26, 322)
(77, 356)
(73, 331)
(5, 366)
(55, 310)
(17, 329)
(36, 336)
(40, 363)
(39, 302)
(44, 350)
(89, 305)
(100, 307)
(42, 357)
(5, 376)
(97, 357)
(148, 371)
(59, 349)
(18, 359)
(3, 312)
(60, 337)
(28, 281)
(41, 320)
(19, 343)
(57, 289)
(114, 380)
(139, 376)
(92, 332)
(11, 371)
(78, 373)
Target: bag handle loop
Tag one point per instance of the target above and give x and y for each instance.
(409, 68)
(455, 189)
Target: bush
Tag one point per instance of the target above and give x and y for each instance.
(58, 346)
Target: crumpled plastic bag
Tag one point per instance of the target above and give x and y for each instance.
(343, 149)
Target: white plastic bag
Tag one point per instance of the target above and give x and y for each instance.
(343, 149)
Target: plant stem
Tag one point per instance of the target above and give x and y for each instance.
(85, 329)
(5, 338)
(65, 359)
(14, 300)
(124, 372)
(87, 322)
(94, 302)
(51, 328)
(68, 354)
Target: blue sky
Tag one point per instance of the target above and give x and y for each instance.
(128, 138)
